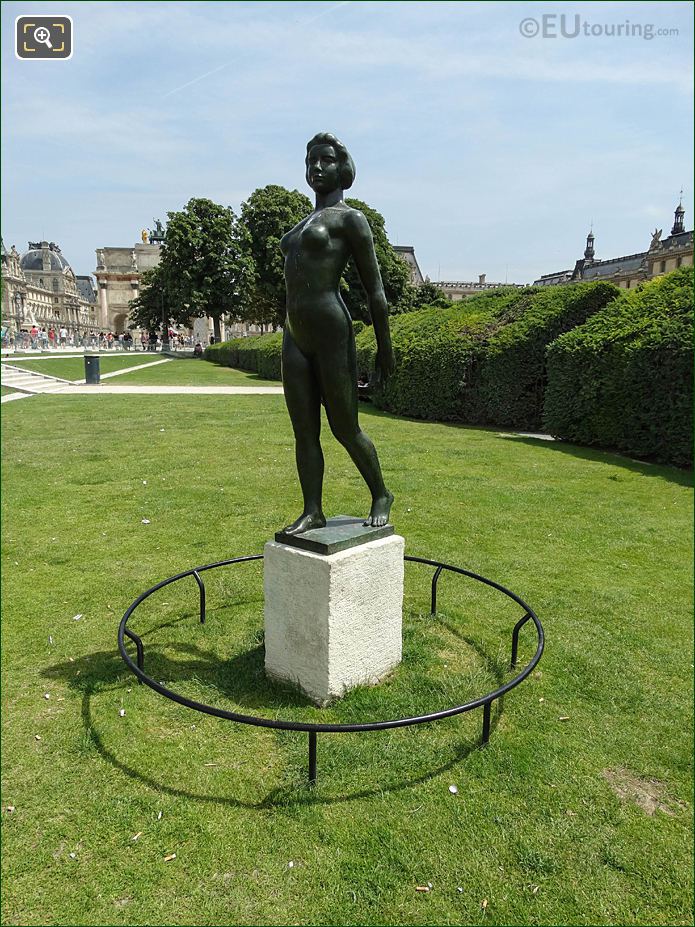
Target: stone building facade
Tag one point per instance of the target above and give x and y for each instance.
(459, 289)
(118, 273)
(40, 288)
(628, 270)
(407, 254)
(454, 289)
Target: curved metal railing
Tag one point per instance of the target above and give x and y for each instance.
(313, 728)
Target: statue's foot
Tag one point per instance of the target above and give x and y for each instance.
(381, 508)
(306, 522)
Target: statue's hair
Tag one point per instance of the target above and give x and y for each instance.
(345, 162)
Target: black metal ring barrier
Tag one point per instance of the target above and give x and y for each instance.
(484, 702)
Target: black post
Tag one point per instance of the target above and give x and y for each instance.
(486, 722)
(202, 596)
(312, 757)
(140, 650)
(91, 369)
(435, 580)
(515, 638)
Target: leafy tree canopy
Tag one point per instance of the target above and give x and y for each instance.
(273, 210)
(266, 215)
(395, 273)
(206, 263)
(151, 303)
(427, 294)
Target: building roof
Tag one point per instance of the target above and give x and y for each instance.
(407, 253)
(597, 269)
(85, 287)
(679, 240)
(33, 258)
(558, 273)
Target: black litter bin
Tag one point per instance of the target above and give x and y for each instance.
(91, 368)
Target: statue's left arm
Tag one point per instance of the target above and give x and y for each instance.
(362, 248)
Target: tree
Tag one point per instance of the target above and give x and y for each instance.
(395, 273)
(206, 264)
(150, 308)
(267, 214)
(273, 210)
(417, 297)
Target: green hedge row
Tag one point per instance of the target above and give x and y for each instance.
(482, 361)
(624, 379)
(509, 380)
(589, 362)
(434, 349)
(261, 354)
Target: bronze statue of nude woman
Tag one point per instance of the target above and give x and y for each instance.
(319, 361)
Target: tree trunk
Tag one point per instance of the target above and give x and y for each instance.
(217, 329)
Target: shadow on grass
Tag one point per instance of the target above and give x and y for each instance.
(250, 374)
(243, 679)
(614, 458)
(671, 474)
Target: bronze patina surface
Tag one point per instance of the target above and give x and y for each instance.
(339, 533)
(319, 363)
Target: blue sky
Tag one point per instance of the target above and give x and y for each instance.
(488, 151)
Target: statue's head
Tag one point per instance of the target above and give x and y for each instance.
(328, 164)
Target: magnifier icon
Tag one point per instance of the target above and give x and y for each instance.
(43, 36)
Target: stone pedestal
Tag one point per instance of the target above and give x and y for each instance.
(333, 620)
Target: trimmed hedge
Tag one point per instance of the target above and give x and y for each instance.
(434, 349)
(481, 362)
(588, 362)
(261, 354)
(509, 380)
(624, 379)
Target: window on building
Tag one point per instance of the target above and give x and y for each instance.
(41, 282)
(662, 267)
(55, 299)
(55, 284)
(679, 262)
(627, 284)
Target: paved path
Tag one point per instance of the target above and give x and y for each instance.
(32, 382)
(28, 382)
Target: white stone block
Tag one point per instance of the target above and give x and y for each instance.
(333, 622)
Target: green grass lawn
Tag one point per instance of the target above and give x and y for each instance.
(72, 368)
(547, 826)
(193, 372)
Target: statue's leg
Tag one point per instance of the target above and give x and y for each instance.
(337, 367)
(303, 400)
